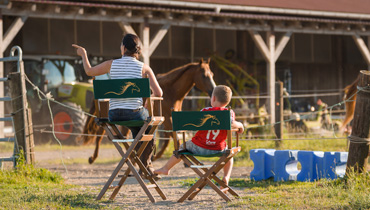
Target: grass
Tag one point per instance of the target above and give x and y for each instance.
(346, 193)
(27, 187)
(242, 159)
(35, 188)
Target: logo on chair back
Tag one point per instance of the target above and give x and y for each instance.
(207, 117)
(133, 86)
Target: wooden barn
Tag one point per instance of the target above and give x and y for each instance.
(313, 46)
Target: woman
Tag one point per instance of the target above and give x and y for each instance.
(126, 67)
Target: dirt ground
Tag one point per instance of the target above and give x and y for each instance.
(131, 195)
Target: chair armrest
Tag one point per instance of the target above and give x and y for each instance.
(156, 98)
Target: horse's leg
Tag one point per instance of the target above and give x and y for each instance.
(100, 134)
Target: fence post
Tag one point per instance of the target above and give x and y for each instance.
(279, 102)
(358, 152)
(21, 116)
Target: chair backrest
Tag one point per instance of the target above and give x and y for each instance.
(206, 120)
(121, 88)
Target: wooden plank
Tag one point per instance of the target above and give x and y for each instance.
(261, 45)
(13, 31)
(362, 47)
(126, 27)
(151, 186)
(146, 138)
(1, 75)
(279, 101)
(146, 42)
(358, 152)
(271, 75)
(158, 38)
(282, 43)
(20, 122)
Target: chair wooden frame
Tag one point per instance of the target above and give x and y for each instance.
(130, 157)
(206, 173)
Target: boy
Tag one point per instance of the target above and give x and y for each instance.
(210, 142)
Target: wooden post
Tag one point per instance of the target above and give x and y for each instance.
(359, 148)
(22, 119)
(279, 102)
(2, 124)
(270, 54)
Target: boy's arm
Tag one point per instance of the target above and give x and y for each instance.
(237, 125)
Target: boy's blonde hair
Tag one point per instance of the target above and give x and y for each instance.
(222, 93)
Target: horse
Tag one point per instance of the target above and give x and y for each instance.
(350, 102)
(175, 84)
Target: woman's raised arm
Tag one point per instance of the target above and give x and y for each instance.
(99, 69)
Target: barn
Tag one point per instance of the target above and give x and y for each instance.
(313, 47)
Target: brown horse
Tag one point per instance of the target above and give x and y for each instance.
(350, 98)
(175, 84)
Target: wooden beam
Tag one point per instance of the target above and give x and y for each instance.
(126, 27)
(271, 74)
(260, 44)
(13, 31)
(282, 43)
(362, 47)
(1, 76)
(158, 38)
(146, 42)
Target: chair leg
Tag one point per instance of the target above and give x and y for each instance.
(149, 175)
(221, 183)
(206, 177)
(111, 178)
(120, 183)
(141, 181)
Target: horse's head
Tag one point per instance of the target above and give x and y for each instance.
(133, 86)
(215, 120)
(204, 81)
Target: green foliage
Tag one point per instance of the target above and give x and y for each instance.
(28, 173)
(239, 80)
(348, 193)
(27, 187)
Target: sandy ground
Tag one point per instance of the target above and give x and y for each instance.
(131, 195)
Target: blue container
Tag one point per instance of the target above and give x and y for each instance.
(263, 160)
(334, 165)
(312, 165)
(285, 165)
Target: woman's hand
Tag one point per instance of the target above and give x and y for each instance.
(80, 50)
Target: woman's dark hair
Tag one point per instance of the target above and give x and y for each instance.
(132, 44)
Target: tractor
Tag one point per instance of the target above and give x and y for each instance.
(67, 82)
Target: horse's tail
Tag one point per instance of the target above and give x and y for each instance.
(350, 102)
(351, 90)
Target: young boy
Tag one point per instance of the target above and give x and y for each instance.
(210, 142)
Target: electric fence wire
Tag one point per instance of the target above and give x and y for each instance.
(48, 97)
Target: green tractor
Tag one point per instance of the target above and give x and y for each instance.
(67, 82)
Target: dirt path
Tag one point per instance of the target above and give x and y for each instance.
(131, 195)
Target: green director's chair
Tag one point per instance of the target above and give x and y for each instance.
(127, 88)
(206, 120)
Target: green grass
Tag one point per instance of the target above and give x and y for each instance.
(242, 159)
(27, 187)
(348, 193)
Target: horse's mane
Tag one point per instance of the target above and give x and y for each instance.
(174, 74)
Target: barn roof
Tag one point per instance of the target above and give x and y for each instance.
(352, 6)
(304, 16)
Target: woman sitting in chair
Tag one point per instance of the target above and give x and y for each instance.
(126, 67)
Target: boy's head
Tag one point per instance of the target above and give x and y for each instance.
(222, 94)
